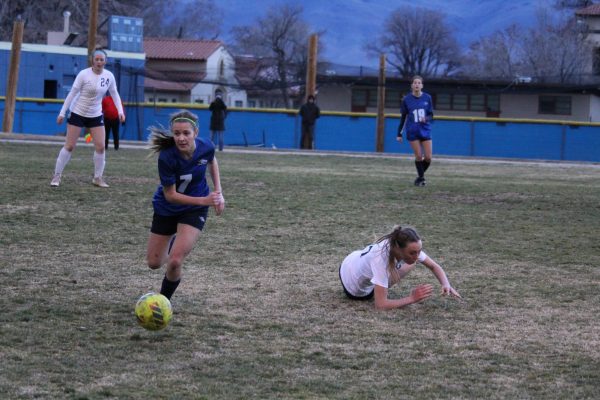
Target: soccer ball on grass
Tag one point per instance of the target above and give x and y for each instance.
(153, 311)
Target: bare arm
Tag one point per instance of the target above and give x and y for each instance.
(175, 197)
(439, 273)
(216, 178)
(420, 293)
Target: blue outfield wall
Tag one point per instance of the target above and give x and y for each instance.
(474, 137)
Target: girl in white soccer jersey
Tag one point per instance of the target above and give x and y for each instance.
(370, 272)
(417, 113)
(183, 197)
(85, 102)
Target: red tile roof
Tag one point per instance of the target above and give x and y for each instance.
(150, 83)
(182, 81)
(594, 9)
(180, 49)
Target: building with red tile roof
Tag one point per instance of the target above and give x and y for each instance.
(190, 71)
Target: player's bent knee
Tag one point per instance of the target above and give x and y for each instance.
(153, 265)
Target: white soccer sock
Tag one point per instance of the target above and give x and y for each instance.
(62, 160)
(99, 163)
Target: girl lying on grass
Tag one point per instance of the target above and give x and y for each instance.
(370, 272)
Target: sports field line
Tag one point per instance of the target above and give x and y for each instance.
(130, 144)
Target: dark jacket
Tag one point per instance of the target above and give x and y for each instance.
(309, 113)
(218, 111)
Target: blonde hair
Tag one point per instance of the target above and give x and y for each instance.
(161, 138)
(398, 238)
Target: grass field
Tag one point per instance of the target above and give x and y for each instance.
(260, 312)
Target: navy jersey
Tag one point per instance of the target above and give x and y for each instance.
(414, 108)
(188, 176)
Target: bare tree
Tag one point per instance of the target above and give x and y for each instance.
(198, 19)
(417, 41)
(496, 56)
(572, 4)
(553, 50)
(280, 39)
(556, 50)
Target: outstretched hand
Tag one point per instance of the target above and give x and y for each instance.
(449, 290)
(421, 292)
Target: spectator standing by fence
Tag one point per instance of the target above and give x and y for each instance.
(309, 113)
(218, 111)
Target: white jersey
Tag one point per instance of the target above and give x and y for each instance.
(87, 92)
(363, 269)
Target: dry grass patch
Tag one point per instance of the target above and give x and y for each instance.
(260, 312)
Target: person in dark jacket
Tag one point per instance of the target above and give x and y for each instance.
(218, 111)
(309, 112)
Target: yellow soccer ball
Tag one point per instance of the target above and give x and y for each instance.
(153, 311)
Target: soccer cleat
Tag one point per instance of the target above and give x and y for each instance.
(419, 181)
(55, 182)
(100, 182)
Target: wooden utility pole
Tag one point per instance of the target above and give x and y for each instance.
(380, 106)
(13, 76)
(93, 27)
(311, 67)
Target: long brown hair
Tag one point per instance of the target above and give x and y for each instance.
(398, 238)
(161, 138)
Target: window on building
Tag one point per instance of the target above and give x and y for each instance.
(221, 69)
(199, 101)
(252, 103)
(477, 102)
(442, 101)
(50, 89)
(466, 102)
(392, 99)
(162, 100)
(493, 102)
(239, 103)
(360, 99)
(596, 62)
(460, 102)
(372, 98)
(558, 105)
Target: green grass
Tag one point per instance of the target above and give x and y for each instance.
(260, 312)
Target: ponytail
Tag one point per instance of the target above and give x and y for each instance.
(160, 139)
(399, 237)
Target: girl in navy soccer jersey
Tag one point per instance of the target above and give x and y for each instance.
(183, 197)
(417, 113)
(370, 272)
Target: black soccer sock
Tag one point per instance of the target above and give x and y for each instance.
(426, 165)
(168, 287)
(420, 168)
